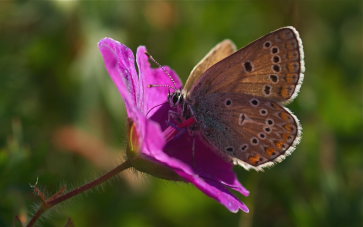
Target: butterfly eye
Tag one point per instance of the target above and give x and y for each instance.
(175, 98)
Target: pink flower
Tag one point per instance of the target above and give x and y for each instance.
(149, 150)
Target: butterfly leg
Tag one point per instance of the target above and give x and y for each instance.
(173, 116)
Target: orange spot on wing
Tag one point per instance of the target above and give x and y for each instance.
(254, 160)
(286, 136)
(270, 151)
(289, 127)
(279, 144)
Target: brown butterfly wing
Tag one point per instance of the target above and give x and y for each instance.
(254, 132)
(216, 54)
(271, 67)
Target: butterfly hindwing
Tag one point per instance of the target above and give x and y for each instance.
(254, 132)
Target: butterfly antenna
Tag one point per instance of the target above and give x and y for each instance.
(166, 72)
(161, 85)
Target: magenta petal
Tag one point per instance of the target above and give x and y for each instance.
(202, 167)
(208, 163)
(151, 138)
(211, 186)
(218, 192)
(153, 96)
(120, 64)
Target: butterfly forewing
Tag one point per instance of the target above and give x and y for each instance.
(216, 54)
(254, 132)
(271, 67)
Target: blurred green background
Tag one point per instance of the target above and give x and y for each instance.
(62, 119)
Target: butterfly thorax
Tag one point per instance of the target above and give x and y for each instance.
(181, 109)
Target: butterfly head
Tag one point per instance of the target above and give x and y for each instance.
(176, 98)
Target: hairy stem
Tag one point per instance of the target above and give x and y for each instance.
(46, 205)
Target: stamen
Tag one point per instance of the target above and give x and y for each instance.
(169, 133)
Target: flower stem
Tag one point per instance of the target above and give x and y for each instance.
(47, 204)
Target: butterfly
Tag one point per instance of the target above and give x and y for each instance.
(237, 98)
